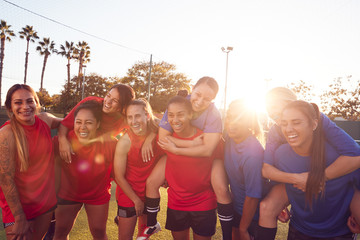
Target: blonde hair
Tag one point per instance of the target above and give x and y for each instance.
(281, 93)
(250, 117)
(22, 149)
(153, 124)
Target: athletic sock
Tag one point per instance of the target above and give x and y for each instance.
(152, 208)
(226, 215)
(266, 233)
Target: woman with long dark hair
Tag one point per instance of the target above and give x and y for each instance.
(315, 215)
(27, 179)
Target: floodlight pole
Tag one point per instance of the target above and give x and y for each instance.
(149, 78)
(83, 83)
(227, 50)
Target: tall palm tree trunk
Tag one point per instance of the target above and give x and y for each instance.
(2, 55)
(68, 74)
(43, 71)
(26, 60)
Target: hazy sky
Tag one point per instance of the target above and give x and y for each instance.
(283, 40)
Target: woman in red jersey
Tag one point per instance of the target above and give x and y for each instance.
(113, 121)
(86, 179)
(27, 194)
(191, 199)
(130, 171)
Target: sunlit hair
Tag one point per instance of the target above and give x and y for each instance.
(316, 178)
(248, 116)
(153, 123)
(181, 100)
(126, 94)
(280, 93)
(93, 106)
(211, 82)
(18, 131)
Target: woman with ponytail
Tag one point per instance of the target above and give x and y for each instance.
(315, 214)
(276, 199)
(27, 194)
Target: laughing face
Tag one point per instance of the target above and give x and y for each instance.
(137, 119)
(235, 124)
(298, 130)
(179, 117)
(201, 97)
(111, 102)
(85, 126)
(23, 106)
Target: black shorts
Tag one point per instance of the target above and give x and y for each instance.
(5, 225)
(61, 201)
(252, 229)
(127, 212)
(294, 234)
(203, 223)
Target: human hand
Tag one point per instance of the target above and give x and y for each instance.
(353, 225)
(167, 145)
(65, 150)
(21, 230)
(139, 207)
(199, 140)
(284, 216)
(147, 150)
(301, 179)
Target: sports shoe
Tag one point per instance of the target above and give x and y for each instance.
(148, 231)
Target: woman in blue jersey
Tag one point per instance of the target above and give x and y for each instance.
(243, 163)
(276, 200)
(207, 118)
(315, 215)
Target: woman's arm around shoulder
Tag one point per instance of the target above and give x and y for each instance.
(52, 121)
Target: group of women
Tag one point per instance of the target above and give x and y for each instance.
(308, 163)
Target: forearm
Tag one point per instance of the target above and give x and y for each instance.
(274, 174)
(199, 151)
(249, 209)
(12, 196)
(62, 132)
(342, 166)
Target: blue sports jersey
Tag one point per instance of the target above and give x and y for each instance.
(335, 136)
(243, 163)
(329, 214)
(209, 121)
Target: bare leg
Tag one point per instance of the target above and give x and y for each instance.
(272, 205)
(65, 216)
(142, 220)
(97, 217)
(156, 179)
(198, 237)
(126, 227)
(181, 235)
(219, 182)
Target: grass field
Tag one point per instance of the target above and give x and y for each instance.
(81, 230)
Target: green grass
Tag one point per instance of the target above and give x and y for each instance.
(81, 230)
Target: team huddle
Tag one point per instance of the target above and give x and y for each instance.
(308, 165)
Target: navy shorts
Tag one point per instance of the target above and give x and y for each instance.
(203, 223)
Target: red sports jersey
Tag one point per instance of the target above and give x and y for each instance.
(87, 178)
(137, 171)
(109, 123)
(189, 180)
(36, 186)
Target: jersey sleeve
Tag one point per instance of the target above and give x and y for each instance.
(338, 138)
(219, 150)
(164, 123)
(252, 173)
(273, 141)
(68, 121)
(213, 123)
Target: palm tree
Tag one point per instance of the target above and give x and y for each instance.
(30, 35)
(5, 34)
(67, 51)
(45, 48)
(81, 54)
